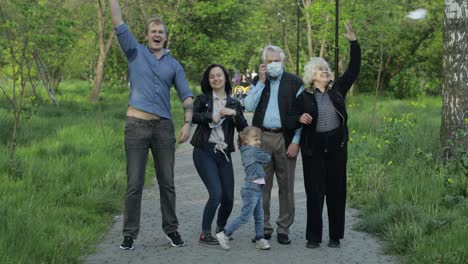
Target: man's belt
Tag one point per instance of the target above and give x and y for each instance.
(272, 130)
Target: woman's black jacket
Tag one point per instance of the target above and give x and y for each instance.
(202, 116)
(306, 102)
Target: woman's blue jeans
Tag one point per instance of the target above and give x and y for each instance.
(218, 176)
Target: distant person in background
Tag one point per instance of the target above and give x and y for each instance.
(322, 113)
(237, 78)
(217, 114)
(248, 75)
(244, 81)
(152, 71)
(253, 74)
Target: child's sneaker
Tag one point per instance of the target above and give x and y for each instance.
(219, 229)
(175, 239)
(262, 244)
(127, 244)
(223, 240)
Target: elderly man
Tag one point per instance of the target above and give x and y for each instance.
(271, 97)
(152, 72)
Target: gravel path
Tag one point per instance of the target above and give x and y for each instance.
(152, 246)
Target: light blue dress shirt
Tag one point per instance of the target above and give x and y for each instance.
(272, 114)
(151, 78)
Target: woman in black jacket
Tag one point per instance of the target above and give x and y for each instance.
(321, 111)
(217, 114)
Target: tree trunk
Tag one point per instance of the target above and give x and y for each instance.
(455, 89)
(104, 47)
(306, 4)
(323, 43)
(45, 77)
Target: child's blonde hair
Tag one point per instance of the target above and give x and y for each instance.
(248, 131)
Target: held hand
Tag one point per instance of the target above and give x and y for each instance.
(350, 35)
(227, 112)
(293, 150)
(305, 119)
(262, 69)
(184, 134)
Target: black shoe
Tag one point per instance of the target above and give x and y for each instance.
(312, 244)
(334, 243)
(175, 239)
(208, 239)
(283, 239)
(127, 244)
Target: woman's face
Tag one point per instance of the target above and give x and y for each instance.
(321, 74)
(216, 78)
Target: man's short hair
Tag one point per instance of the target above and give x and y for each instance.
(157, 20)
(275, 49)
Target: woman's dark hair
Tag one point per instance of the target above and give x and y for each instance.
(205, 82)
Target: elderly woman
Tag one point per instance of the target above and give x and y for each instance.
(217, 114)
(321, 111)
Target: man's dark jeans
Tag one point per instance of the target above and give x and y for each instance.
(157, 136)
(218, 176)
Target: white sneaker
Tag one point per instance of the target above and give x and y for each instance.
(262, 244)
(223, 240)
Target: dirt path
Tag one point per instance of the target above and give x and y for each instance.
(152, 246)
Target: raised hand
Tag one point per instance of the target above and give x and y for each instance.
(262, 72)
(350, 35)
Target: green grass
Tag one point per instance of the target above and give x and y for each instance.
(68, 178)
(397, 181)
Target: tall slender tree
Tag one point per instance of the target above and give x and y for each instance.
(455, 90)
(104, 46)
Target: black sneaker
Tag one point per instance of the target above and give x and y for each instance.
(283, 239)
(127, 244)
(334, 243)
(312, 244)
(208, 239)
(175, 239)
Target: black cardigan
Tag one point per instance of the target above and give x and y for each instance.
(306, 102)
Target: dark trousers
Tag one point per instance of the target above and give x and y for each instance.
(325, 178)
(218, 176)
(157, 136)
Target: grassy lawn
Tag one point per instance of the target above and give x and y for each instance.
(68, 179)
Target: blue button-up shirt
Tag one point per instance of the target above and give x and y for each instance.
(272, 115)
(151, 78)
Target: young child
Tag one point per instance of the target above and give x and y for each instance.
(252, 159)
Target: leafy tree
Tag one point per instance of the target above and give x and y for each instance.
(33, 37)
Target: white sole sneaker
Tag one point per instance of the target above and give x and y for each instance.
(223, 240)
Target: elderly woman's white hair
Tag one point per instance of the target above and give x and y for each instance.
(311, 68)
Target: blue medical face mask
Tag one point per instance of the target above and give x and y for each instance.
(274, 69)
